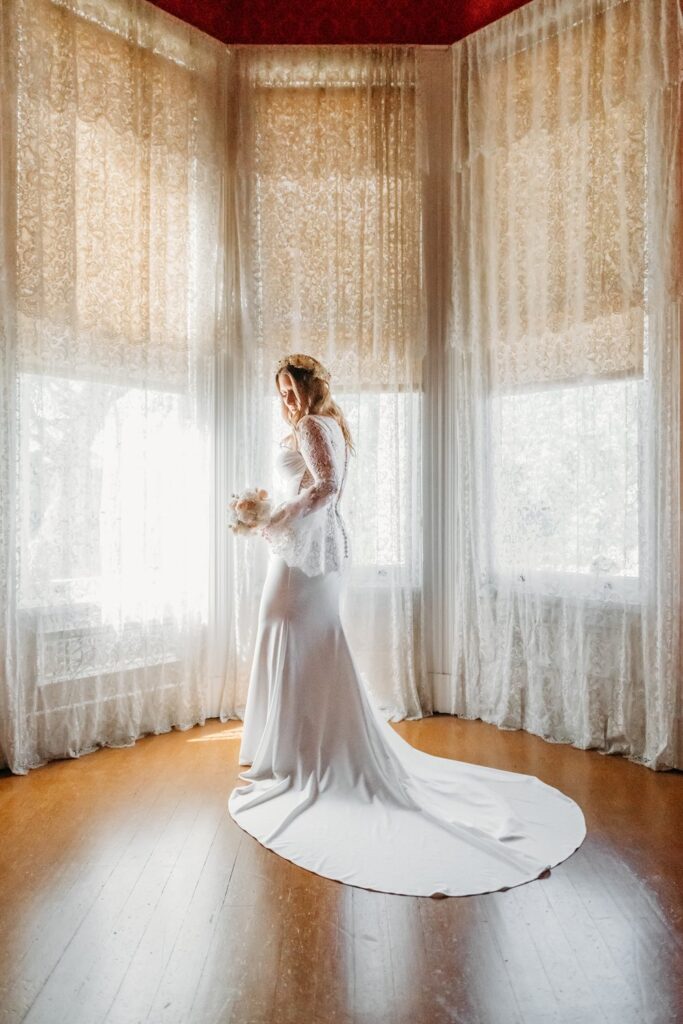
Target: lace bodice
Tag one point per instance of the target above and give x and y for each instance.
(307, 530)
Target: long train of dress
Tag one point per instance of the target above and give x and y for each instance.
(334, 789)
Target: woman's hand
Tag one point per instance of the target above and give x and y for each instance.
(278, 516)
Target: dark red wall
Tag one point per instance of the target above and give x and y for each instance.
(339, 21)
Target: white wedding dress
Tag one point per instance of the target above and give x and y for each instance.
(331, 786)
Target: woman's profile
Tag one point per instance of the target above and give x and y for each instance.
(327, 783)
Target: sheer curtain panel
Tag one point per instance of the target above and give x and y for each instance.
(327, 216)
(563, 370)
(112, 300)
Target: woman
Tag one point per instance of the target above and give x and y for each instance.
(330, 785)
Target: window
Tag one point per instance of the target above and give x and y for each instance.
(566, 363)
(113, 538)
(566, 482)
(334, 269)
(117, 201)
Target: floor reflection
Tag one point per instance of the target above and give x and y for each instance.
(231, 733)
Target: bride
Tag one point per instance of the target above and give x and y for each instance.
(330, 785)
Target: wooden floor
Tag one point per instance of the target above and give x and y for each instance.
(128, 895)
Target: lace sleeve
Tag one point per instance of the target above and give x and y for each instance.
(317, 451)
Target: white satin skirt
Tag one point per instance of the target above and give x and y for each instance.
(334, 789)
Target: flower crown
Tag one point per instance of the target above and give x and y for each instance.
(303, 362)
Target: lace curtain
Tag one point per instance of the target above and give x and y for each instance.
(562, 422)
(484, 248)
(326, 207)
(112, 318)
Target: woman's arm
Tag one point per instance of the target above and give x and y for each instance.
(316, 448)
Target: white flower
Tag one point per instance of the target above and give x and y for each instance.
(248, 510)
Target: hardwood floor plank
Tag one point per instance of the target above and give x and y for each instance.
(140, 973)
(572, 988)
(410, 964)
(174, 994)
(311, 978)
(609, 981)
(371, 991)
(239, 976)
(469, 978)
(533, 990)
(634, 930)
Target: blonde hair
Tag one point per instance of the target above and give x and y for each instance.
(313, 395)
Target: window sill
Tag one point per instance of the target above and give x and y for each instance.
(573, 588)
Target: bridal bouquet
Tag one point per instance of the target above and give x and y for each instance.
(248, 510)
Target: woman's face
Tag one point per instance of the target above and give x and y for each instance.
(287, 393)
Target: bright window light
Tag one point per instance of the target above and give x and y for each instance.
(133, 545)
(565, 480)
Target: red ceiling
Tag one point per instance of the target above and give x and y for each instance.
(339, 21)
